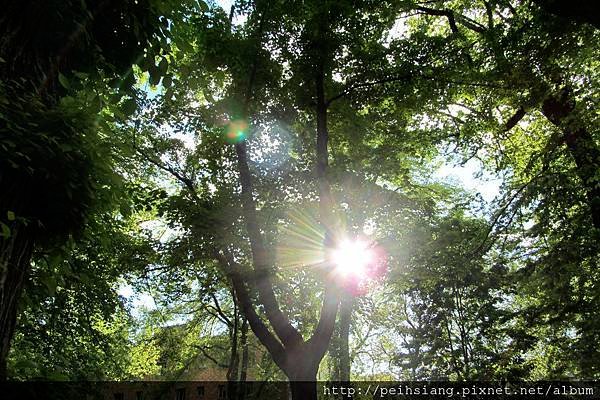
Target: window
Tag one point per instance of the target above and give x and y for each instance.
(180, 394)
(139, 395)
(200, 391)
(222, 392)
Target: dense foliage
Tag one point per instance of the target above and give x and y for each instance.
(211, 160)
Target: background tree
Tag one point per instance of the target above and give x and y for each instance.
(49, 185)
(538, 104)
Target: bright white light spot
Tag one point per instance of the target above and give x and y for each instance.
(352, 257)
(473, 177)
(400, 30)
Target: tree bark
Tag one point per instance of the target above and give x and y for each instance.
(559, 109)
(303, 377)
(280, 323)
(244, 365)
(345, 320)
(322, 335)
(234, 359)
(15, 258)
(273, 346)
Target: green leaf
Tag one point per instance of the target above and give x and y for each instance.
(64, 81)
(57, 375)
(167, 81)
(50, 283)
(26, 364)
(184, 46)
(81, 75)
(129, 107)
(5, 230)
(163, 66)
(96, 104)
(154, 75)
(203, 6)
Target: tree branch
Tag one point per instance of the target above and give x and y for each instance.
(482, 248)
(219, 310)
(231, 268)
(211, 358)
(514, 120)
(211, 310)
(351, 88)
(445, 13)
(452, 18)
(319, 341)
(407, 78)
(490, 14)
(280, 323)
(187, 182)
(282, 326)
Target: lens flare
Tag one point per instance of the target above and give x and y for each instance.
(359, 265)
(353, 257)
(236, 130)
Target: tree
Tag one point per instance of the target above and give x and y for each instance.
(72, 322)
(50, 181)
(454, 307)
(234, 89)
(536, 124)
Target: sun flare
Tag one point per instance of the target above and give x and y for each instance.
(352, 257)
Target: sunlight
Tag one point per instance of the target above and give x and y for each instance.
(352, 257)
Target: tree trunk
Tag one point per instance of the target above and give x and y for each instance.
(344, 345)
(345, 319)
(302, 364)
(299, 359)
(15, 257)
(244, 366)
(303, 379)
(585, 152)
(234, 360)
